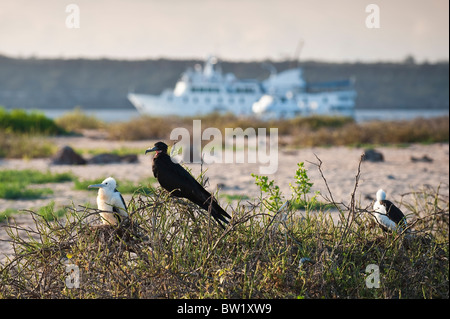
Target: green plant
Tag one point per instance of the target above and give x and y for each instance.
(274, 201)
(49, 213)
(21, 121)
(302, 187)
(4, 215)
(16, 190)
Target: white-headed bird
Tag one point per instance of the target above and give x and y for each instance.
(110, 202)
(388, 216)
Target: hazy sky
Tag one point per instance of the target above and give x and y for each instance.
(332, 30)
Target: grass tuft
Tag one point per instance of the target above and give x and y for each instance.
(76, 121)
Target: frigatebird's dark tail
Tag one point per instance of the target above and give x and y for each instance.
(217, 212)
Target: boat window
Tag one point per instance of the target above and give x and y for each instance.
(185, 99)
(231, 100)
(241, 100)
(207, 100)
(245, 90)
(195, 99)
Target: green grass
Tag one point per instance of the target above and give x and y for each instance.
(48, 212)
(4, 215)
(14, 183)
(29, 176)
(235, 197)
(20, 191)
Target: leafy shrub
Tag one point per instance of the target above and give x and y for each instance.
(20, 121)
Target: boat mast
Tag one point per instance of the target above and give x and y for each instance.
(295, 63)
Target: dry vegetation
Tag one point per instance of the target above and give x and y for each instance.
(305, 132)
(269, 250)
(19, 139)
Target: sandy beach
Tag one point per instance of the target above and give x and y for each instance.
(397, 174)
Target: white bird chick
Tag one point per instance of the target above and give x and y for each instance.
(110, 200)
(389, 216)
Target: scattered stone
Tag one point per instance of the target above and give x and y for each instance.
(104, 158)
(108, 158)
(67, 156)
(129, 158)
(424, 159)
(372, 155)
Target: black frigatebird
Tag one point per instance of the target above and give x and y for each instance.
(176, 180)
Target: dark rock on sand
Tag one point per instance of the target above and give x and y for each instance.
(372, 155)
(67, 156)
(108, 158)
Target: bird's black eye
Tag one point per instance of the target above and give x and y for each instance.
(106, 183)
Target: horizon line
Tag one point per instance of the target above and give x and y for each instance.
(409, 58)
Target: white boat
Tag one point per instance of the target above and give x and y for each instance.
(206, 89)
(288, 95)
(202, 91)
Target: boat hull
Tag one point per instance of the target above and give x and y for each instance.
(167, 105)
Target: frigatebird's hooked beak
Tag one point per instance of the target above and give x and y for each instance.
(97, 186)
(151, 150)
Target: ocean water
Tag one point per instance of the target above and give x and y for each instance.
(364, 115)
(361, 115)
